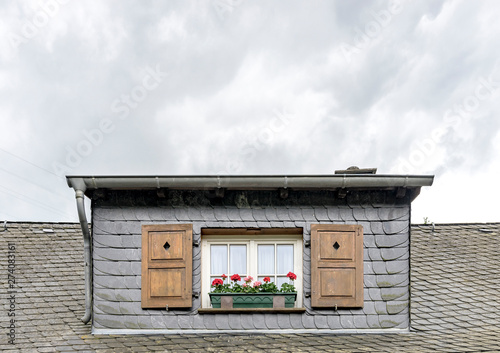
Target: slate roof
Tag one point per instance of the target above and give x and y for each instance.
(455, 303)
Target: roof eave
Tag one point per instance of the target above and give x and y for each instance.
(249, 182)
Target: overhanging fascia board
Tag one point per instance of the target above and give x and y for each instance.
(242, 182)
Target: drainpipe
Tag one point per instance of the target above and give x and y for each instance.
(87, 254)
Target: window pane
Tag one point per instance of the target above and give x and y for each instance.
(282, 280)
(218, 260)
(285, 258)
(265, 259)
(238, 259)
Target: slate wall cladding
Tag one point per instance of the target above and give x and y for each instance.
(117, 262)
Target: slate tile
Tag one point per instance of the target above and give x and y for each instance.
(369, 241)
(333, 322)
(370, 281)
(368, 268)
(369, 307)
(208, 214)
(259, 214)
(220, 214)
(309, 214)
(168, 322)
(385, 281)
(282, 214)
(359, 214)
(295, 214)
(308, 321)
(181, 213)
(320, 213)
(107, 241)
(222, 322)
(271, 214)
(371, 214)
(395, 227)
(275, 224)
(284, 321)
(391, 321)
(246, 215)
(388, 254)
(130, 308)
(110, 321)
(209, 322)
(374, 294)
(360, 322)
(259, 321)
(333, 213)
(366, 227)
(271, 321)
(346, 214)
(396, 307)
(394, 213)
(198, 322)
(233, 214)
(106, 307)
(131, 241)
(389, 241)
(347, 321)
(394, 293)
(372, 321)
(296, 321)
(234, 321)
(108, 214)
(129, 213)
(263, 224)
(394, 267)
(247, 322)
(142, 214)
(377, 228)
(194, 214)
(321, 322)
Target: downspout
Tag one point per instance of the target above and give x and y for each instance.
(87, 254)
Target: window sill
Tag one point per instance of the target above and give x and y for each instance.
(251, 310)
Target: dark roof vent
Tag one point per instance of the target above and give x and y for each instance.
(357, 170)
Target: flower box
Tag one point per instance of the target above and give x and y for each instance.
(253, 300)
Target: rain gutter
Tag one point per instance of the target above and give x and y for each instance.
(80, 189)
(253, 182)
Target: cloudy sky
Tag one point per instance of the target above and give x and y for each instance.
(249, 87)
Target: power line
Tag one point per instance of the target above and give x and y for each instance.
(33, 164)
(33, 201)
(32, 182)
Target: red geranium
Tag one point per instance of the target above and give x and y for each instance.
(217, 282)
(236, 277)
(224, 276)
(292, 276)
(267, 279)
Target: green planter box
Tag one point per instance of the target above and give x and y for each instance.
(253, 300)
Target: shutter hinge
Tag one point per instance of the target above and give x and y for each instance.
(307, 243)
(196, 294)
(196, 242)
(307, 294)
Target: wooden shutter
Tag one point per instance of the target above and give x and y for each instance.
(336, 265)
(167, 266)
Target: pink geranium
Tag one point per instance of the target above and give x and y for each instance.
(257, 284)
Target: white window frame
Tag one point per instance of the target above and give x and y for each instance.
(251, 241)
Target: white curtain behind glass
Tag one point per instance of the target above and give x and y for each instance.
(238, 259)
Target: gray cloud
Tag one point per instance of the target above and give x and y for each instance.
(227, 74)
